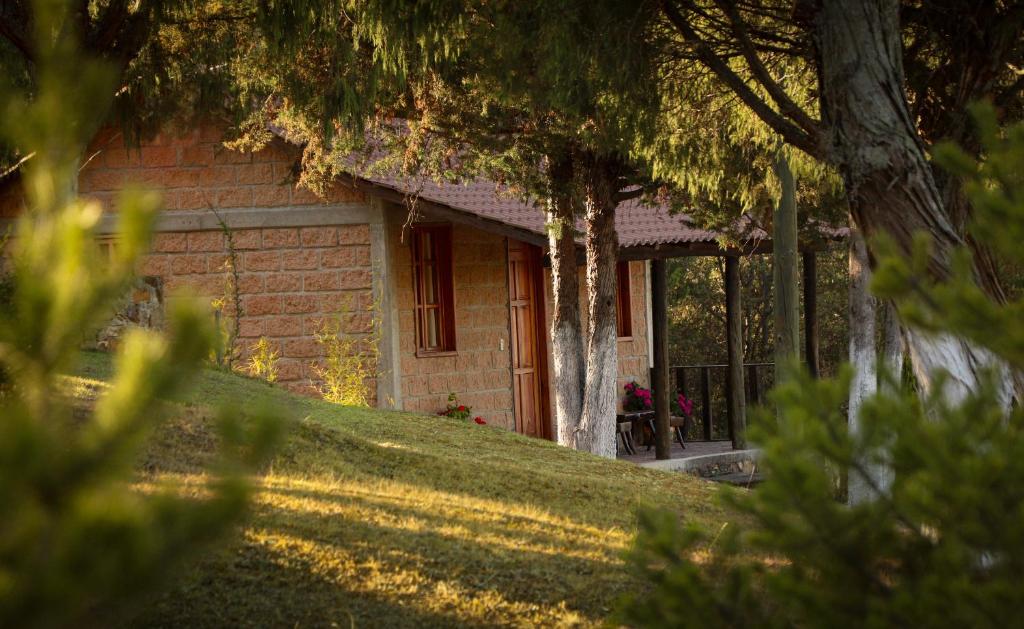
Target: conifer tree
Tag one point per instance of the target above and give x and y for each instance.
(77, 538)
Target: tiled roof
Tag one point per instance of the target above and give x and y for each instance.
(636, 223)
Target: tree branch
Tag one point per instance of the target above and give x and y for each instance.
(14, 33)
(790, 132)
(786, 105)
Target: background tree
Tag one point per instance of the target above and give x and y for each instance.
(78, 539)
(763, 52)
(940, 546)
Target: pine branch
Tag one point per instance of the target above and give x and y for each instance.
(790, 132)
(786, 105)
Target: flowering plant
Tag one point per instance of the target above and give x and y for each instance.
(683, 406)
(455, 410)
(637, 398)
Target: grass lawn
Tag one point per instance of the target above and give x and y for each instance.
(385, 519)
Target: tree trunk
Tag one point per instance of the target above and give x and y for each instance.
(784, 272)
(566, 328)
(863, 357)
(891, 189)
(893, 344)
(597, 427)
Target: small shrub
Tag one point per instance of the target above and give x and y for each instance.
(350, 361)
(227, 309)
(263, 360)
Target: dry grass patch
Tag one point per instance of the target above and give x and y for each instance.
(371, 518)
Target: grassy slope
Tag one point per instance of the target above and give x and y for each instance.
(396, 519)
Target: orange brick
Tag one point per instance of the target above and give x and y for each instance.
(247, 239)
(279, 238)
(193, 199)
(179, 177)
(170, 242)
(224, 155)
(301, 348)
(188, 264)
(285, 325)
(159, 156)
(206, 241)
(255, 305)
(283, 282)
(272, 195)
(198, 155)
(299, 304)
(255, 174)
(155, 265)
(354, 235)
(99, 180)
(262, 261)
(217, 176)
(303, 196)
(232, 197)
(250, 283)
(300, 260)
(121, 157)
(251, 327)
(218, 262)
(354, 279)
(345, 257)
(319, 236)
(288, 370)
(324, 280)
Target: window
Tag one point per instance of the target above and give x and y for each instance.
(624, 307)
(435, 296)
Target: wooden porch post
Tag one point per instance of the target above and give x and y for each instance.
(811, 311)
(659, 380)
(734, 342)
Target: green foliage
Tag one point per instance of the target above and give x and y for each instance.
(351, 346)
(942, 545)
(224, 352)
(263, 360)
(77, 537)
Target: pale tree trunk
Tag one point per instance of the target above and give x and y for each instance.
(889, 182)
(566, 328)
(893, 344)
(862, 482)
(597, 427)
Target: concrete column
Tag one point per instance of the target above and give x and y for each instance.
(389, 378)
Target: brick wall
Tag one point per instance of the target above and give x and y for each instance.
(290, 279)
(480, 370)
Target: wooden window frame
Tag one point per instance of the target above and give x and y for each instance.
(623, 301)
(441, 237)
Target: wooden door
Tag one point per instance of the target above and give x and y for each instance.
(528, 339)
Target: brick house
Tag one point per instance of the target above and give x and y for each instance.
(463, 294)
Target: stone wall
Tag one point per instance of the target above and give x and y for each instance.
(479, 372)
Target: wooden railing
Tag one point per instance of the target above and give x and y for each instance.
(710, 380)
